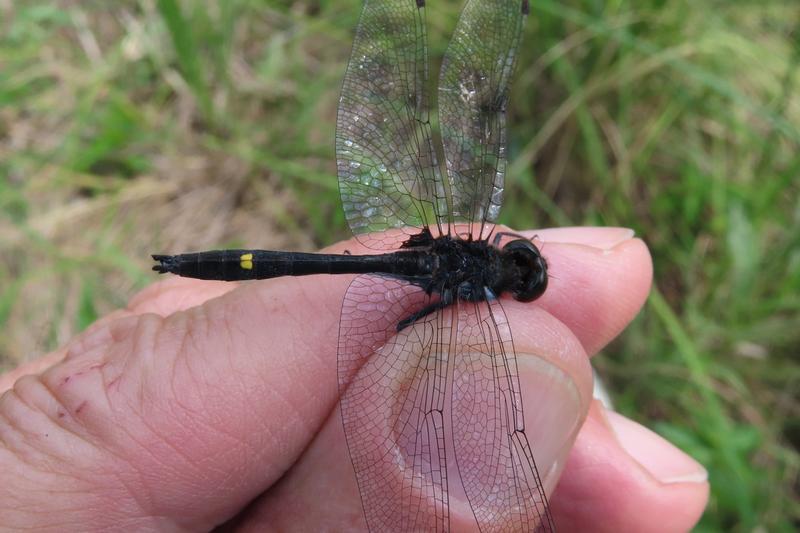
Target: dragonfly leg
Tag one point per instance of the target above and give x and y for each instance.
(500, 234)
(447, 299)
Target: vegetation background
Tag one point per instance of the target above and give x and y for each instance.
(141, 125)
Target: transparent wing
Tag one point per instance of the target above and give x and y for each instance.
(494, 457)
(388, 171)
(473, 94)
(392, 388)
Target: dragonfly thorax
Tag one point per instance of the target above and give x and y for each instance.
(476, 271)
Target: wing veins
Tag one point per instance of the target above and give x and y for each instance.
(518, 431)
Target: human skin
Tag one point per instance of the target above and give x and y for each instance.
(206, 403)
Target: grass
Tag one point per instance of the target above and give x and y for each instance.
(118, 125)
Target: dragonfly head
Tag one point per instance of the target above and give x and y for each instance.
(529, 278)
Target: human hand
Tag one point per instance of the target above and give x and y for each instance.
(205, 402)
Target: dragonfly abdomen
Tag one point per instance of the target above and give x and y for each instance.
(236, 265)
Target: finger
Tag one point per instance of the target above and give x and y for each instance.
(599, 280)
(32, 367)
(164, 298)
(168, 413)
(621, 476)
(321, 487)
(82, 342)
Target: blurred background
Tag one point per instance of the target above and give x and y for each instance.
(134, 127)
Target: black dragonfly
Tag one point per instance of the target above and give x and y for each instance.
(426, 365)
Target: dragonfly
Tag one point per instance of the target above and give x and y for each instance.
(429, 390)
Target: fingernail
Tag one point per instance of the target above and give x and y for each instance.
(553, 413)
(659, 457)
(603, 238)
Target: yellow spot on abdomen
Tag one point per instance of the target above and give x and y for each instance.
(246, 261)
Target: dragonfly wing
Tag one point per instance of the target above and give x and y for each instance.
(388, 171)
(495, 460)
(392, 388)
(473, 96)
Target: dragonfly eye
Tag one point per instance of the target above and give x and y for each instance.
(531, 270)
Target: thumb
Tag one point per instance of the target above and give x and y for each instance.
(555, 377)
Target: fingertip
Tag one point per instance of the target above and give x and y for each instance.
(622, 477)
(597, 292)
(657, 456)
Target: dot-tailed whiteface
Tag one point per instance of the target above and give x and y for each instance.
(426, 365)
